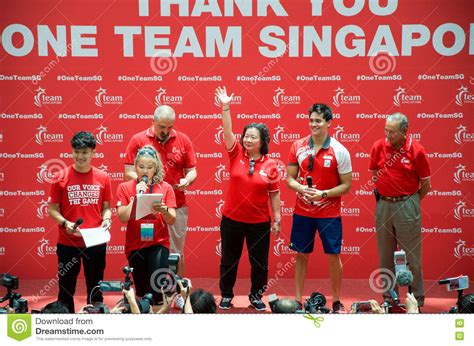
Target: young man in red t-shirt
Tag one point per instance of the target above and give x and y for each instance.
(402, 177)
(179, 161)
(80, 191)
(320, 171)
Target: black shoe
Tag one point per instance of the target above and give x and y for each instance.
(257, 303)
(226, 303)
(338, 308)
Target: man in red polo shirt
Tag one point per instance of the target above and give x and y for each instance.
(402, 177)
(320, 171)
(179, 162)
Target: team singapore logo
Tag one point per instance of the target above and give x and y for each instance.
(236, 100)
(102, 99)
(461, 250)
(219, 136)
(114, 176)
(280, 99)
(219, 248)
(42, 136)
(44, 249)
(340, 98)
(462, 135)
(341, 136)
(464, 96)
(41, 98)
(462, 175)
(279, 136)
(401, 97)
(222, 174)
(461, 212)
(42, 210)
(104, 137)
(280, 248)
(162, 98)
(220, 205)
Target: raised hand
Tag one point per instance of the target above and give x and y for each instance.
(221, 93)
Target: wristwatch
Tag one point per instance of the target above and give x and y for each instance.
(324, 195)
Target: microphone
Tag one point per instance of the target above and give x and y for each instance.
(309, 181)
(77, 223)
(145, 180)
(404, 278)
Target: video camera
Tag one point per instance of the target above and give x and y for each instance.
(173, 263)
(459, 283)
(15, 302)
(118, 286)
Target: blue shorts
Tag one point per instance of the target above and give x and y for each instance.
(304, 230)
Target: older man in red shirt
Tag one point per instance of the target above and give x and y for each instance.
(402, 177)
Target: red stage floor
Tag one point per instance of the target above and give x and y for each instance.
(437, 300)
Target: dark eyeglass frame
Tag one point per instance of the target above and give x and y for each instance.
(251, 166)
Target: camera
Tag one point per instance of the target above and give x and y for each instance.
(316, 304)
(457, 283)
(173, 262)
(284, 306)
(118, 286)
(361, 307)
(9, 281)
(392, 304)
(15, 302)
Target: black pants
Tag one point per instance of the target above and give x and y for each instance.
(69, 266)
(257, 236)
(149, 263)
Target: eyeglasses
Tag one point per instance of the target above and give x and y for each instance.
(251, 166)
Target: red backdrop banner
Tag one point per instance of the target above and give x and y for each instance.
(104, 67)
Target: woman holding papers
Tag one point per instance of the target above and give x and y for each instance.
(254, 182)
(80, 196)
(147, 241)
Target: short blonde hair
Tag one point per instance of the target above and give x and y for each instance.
(149, 152)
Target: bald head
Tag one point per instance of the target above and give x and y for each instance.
(164, 113)
(163, 122)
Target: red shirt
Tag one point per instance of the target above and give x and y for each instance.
(399, 171)
(248, 195)
(160, 230)
(177, 154)
(80, 195)
(330, 161)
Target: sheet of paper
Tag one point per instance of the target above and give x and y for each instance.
(95, 236)
(144, 203)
